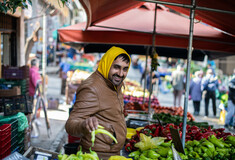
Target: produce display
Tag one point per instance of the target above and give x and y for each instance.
(129, 98)
(134, 88)
(134, 107)
(192, 133)
(176, 119)
(149, 148)
(79, 75)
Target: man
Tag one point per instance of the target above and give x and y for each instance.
(100, 101)
(210, 84)
(231, 103)
(34, 77)
(178, 78)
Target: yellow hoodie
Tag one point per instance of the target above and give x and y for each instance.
(108, 58)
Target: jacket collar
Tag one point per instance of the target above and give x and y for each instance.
(109, 83)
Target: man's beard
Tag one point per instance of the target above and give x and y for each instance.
(116, 83)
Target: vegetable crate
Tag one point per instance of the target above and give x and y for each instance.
(15, 91)
(13, 105)
(5, 140)
(15, 72)
(9, 84)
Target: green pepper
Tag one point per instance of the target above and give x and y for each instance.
(183, 156)
(209, 145)
(198, 150)
(169, 158)
(195, 154)
(190, 143)
(133, 154)
(64, 157)
(152, 154)
(207, 151)
(89, 157)
(166, 144)
(163, 151)
(93, 153)
(142, 157)
(145, 153)
(99, 130)
(216, 141)
(79, 153)
(72, 157)
(231, 139)
(136, 157)
(60, 156)
(196, 143)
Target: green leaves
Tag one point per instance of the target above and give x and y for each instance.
(12, 5)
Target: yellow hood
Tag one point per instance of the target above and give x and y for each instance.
(108, 58)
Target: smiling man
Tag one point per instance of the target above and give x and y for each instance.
(100, 102)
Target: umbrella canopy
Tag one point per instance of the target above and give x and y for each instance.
(172, 30)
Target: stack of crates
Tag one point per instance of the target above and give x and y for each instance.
(5, 140)
(17, 138)
(23, 84)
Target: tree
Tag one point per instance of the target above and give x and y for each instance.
(12, 5)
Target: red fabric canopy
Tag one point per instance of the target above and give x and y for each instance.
(99, 10)
(172, 29)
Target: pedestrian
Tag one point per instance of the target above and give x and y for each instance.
(178, 81)
(195, 91)
(99, 101)
(230, 119)
(34, 77)
(210, 85)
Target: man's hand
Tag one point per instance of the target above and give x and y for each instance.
(90, 124)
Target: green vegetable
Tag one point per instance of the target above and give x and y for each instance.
(72, 157)
(216, 141)
(166, 144)
(196, 143)
(209, 145)
(94, 153)
(64, 157)
(87, 156)
(142, 157)
(133, 154)
(207, 151)
(231, 140)
(97, 131)
(163, 151)
(60, 156)
(79, 153)
(153, 154)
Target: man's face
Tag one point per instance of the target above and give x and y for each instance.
(118, 71)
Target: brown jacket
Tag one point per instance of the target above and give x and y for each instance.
(97, 97)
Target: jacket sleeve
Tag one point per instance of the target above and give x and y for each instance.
(86, 105)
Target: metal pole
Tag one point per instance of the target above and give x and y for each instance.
(192, 14)
(189, 6)
(44, 55)
(153, 45)
(145, 76)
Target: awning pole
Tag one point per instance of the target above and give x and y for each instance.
(192, 14)
(145, 71)
(189, 6)
(153, 50)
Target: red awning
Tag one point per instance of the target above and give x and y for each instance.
(172, 29)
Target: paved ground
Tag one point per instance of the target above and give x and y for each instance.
(58, 117)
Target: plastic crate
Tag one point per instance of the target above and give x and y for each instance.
(5, 140)
(72, 139)
(15, 72)
(15, 104)
(23, 84)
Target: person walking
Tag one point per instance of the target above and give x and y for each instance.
(210, 84)
(99, 101)
(230, 116)
(195, 91)
(178, 78)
